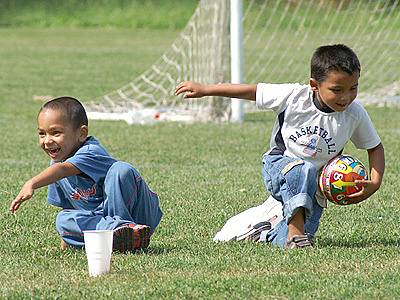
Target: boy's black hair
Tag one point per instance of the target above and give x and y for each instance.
(333, 58)
(71, 108)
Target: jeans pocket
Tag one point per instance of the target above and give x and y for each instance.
(291, 165)
(292, 174)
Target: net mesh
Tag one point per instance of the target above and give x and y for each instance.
(198, 54)
(279, 38)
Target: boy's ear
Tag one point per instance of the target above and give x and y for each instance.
(313, 84)
(83, 133)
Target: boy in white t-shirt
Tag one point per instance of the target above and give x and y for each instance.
(314, 123)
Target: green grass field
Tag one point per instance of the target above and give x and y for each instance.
(153, 14)
(204, 174)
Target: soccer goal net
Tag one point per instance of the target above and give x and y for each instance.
(199, 53)
(279, 37)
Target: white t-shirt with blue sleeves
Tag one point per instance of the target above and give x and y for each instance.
(303, 130)
(83, 191)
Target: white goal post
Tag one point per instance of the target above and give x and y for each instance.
(236, 38)
(259, 41)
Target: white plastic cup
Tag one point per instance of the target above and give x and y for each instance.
(98, 247)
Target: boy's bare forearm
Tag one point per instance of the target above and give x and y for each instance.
(192, 89)
(49, 175)
(52, 174)
(377, 164)
(241, 91)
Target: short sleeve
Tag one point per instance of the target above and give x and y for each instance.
(275, 96)
(365, 135)
(93, 161)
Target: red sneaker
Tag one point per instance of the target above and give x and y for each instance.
(131, 237)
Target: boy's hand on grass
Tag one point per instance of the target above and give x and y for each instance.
(191, 89)
(368, 188)
(25, 194)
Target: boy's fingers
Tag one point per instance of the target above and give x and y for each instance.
(191, 95)
(181, 84)
(183, 89)
(13, 208)
(17, 203)
(362, 182)
(179, 90)
(357, 194)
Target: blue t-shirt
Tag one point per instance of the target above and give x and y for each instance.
(83, 191)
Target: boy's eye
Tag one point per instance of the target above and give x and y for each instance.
(56, 133)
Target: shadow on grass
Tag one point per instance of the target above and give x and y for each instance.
(367, 243)
(152, 250)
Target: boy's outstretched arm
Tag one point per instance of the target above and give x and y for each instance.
(376, 158)
(198, 90)
(50, 175)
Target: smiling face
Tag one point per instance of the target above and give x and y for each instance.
(337, 91)
(57, 137)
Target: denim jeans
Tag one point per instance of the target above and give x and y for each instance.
(128, 199)
(293, 182)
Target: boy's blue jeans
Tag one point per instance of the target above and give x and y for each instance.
(292, 181)
(128, 199)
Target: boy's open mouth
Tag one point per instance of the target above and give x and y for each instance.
(53, 152)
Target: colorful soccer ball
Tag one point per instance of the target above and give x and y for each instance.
(337, 178)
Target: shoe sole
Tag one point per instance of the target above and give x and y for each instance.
(254, 233)
(131, 238)
(299, 241)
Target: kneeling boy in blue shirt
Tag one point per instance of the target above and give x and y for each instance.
(94, 190)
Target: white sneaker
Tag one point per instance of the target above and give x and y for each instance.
(254, 232)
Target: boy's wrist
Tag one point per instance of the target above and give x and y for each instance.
(376, 181)
(31, 184)
(207, 89)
